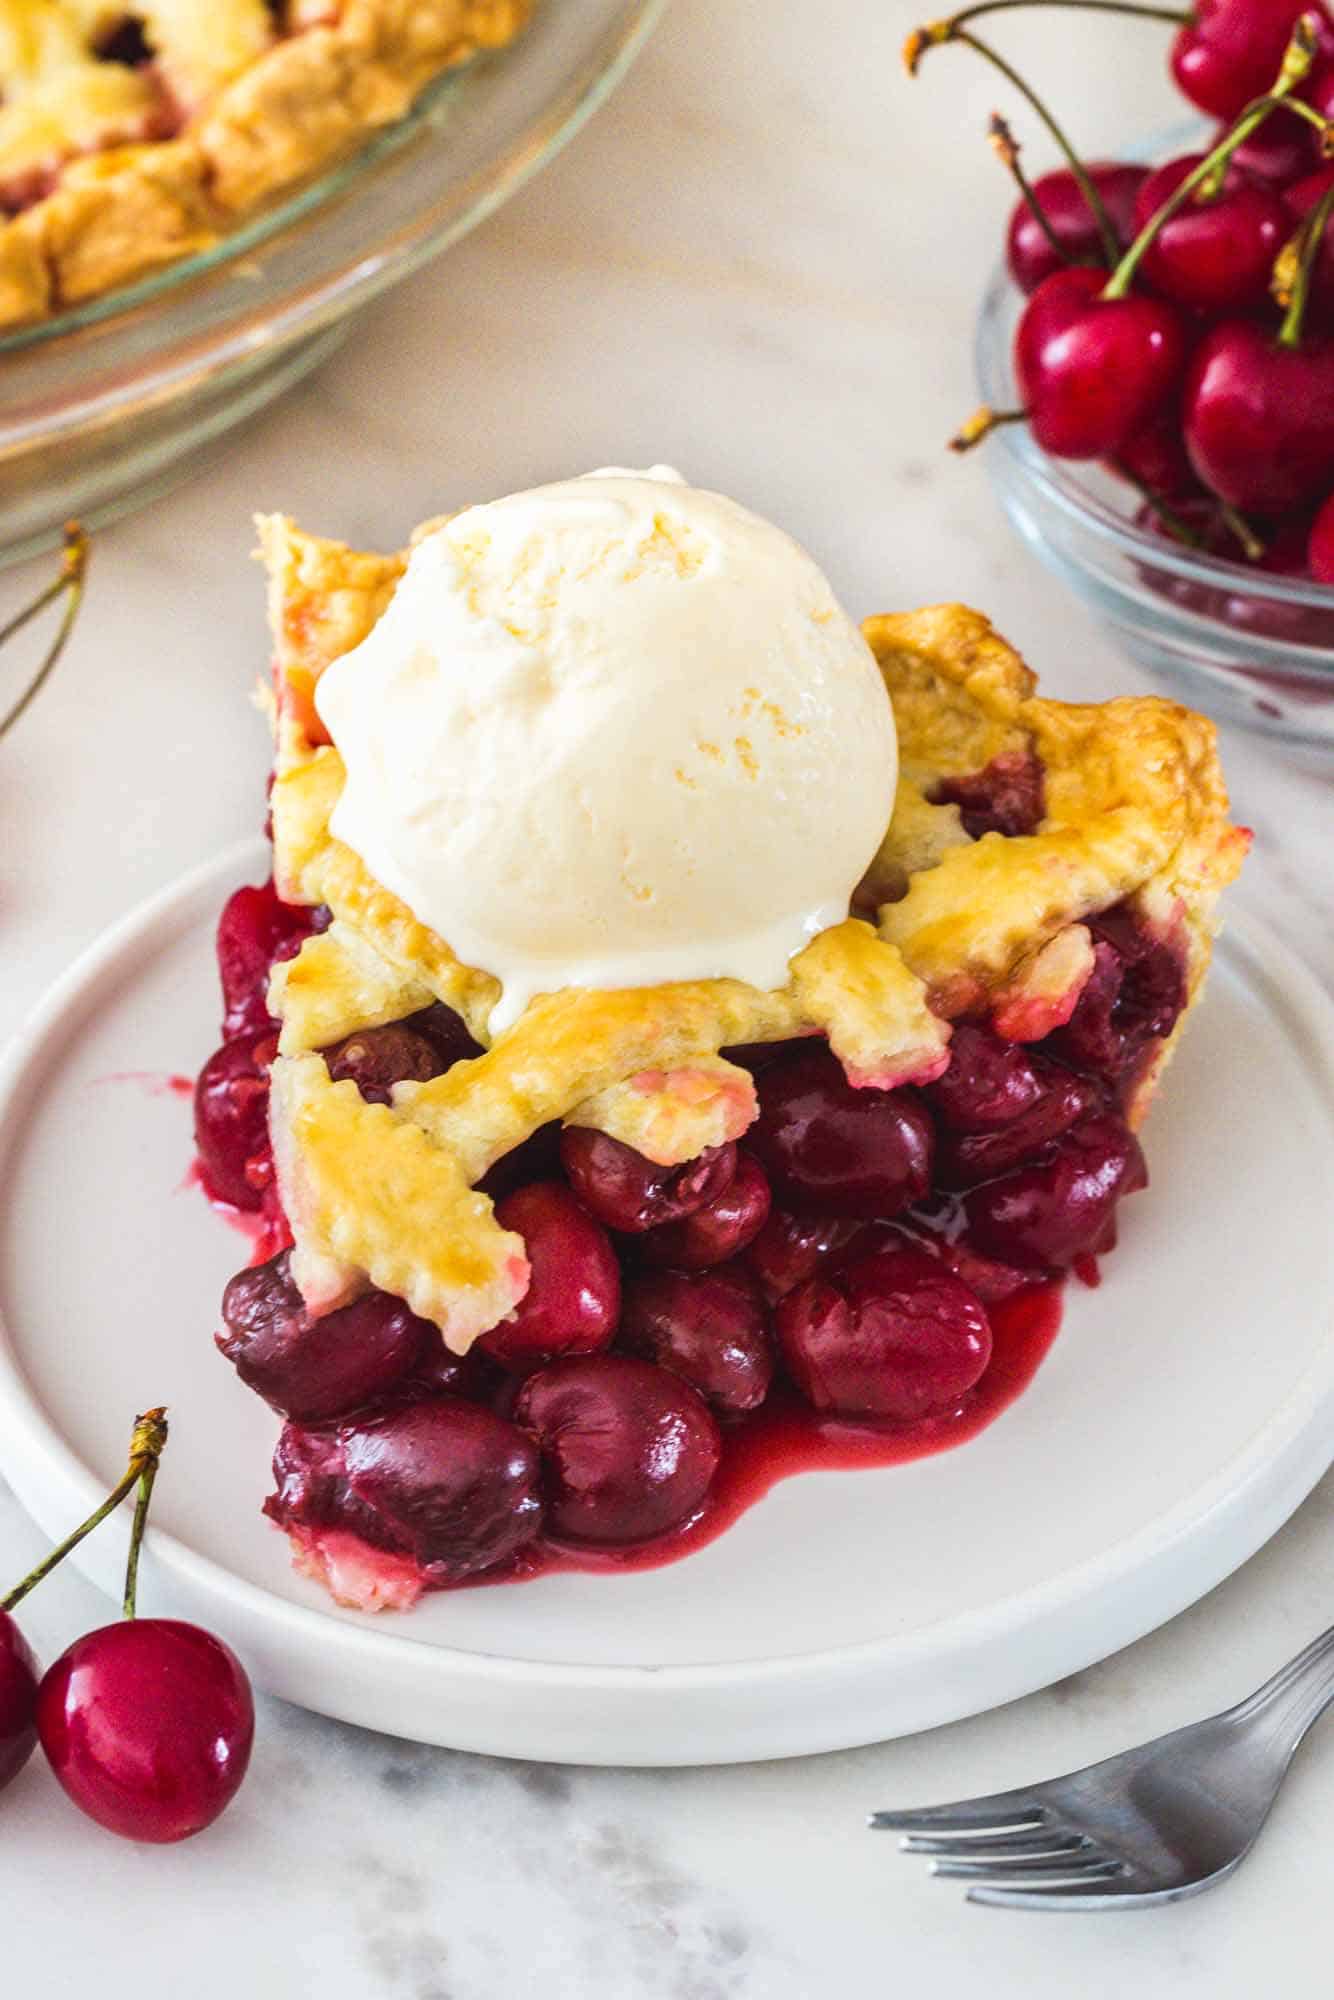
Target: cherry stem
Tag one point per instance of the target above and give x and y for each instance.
(73, 569)
(146, 1446)
(1296, 64)
(1006, 148)
(937, 32)
(1176, 524)
(1290, 333)
(981, 424)
(1251, 545)
(912, 55)
(137, 1527)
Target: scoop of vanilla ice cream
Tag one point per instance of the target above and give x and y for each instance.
(614, 732)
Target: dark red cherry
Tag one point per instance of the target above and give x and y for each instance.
(313, 1369)
(628, 1451)
(935, 1230)
(1044, 1216)
(1258, 417)
(1212, 256)
(1028, 249)
(19, 1675)
(375, 1059)
(837, 1150)
(449, 1484)
(989, 1081)
(964, 1158)
(255, 932)
(891, 1335)
(1093, 371)
(148, 1725)
(1155, 457)
(1279, 151)
(791, 1248)
(1230, 51)
(1133, 997)
(437, 1372)
(719, 1230)
(573, 1299)
(628, 1192)
(536, 1158)
(232, 1124)
(708, 1327)
(449, 1032)
(1005, 797)
(1320, 544)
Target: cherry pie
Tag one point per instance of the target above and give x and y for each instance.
(130, 136)
(575, 1296)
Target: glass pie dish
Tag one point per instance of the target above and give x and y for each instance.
(110, 404)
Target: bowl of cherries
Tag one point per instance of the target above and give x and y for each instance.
(1156, 355)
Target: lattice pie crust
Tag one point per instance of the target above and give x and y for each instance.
(1135, 809)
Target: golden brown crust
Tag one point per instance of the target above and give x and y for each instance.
(1134, 808)
(293, 109)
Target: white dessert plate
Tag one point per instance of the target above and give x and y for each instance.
(1185, 1410)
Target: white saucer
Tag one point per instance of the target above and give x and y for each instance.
(1184, 1412)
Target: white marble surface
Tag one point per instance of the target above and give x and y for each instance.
(759, 262)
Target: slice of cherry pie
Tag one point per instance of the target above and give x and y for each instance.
(559, 1273)
(133, 135)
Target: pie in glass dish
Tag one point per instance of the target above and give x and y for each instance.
(686, 1038)
(131, 136)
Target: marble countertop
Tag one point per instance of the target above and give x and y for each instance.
(759, 262)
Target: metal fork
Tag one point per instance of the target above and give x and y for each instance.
(1150, 1826)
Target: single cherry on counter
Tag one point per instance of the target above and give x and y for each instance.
(148, 1725)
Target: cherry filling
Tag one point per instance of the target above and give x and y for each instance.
(627, 1192)
(313, 1369)
(869, 1276)
(709, 1329)
(444, 1482)
(256, 932)
(232, 1123)
(573, 1299)
(1006, 797)
(1046, 1215)
(718, 1230)
(375, 1059)
(1134, 998)
(829, 1147)
(890, 1335)
(628, 1451)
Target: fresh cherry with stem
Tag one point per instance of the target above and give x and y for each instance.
(1217, 252)
(1258, 409)
(1228, 49)
(1095, 361)
(147, 1724)
(1052, 224)
(19, 1671)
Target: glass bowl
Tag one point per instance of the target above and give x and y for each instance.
(1245, 646)
(108, 406)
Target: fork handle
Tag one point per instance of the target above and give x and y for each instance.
(1296, 1696)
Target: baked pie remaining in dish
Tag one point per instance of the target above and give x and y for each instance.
(684, 1039)
(131, 136)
